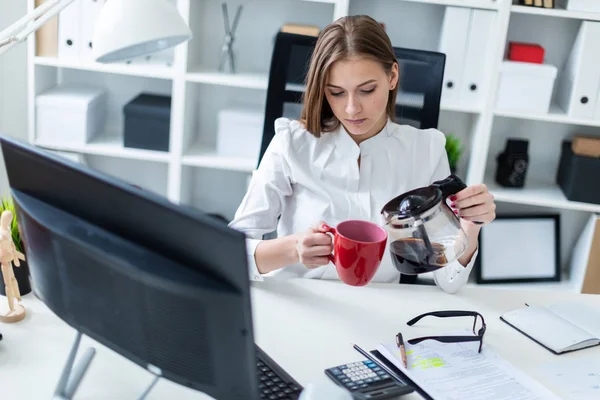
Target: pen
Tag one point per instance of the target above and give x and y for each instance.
(400, 344)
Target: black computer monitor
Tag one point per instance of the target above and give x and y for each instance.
(165, 286)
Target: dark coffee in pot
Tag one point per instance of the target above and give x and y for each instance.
(412, 256)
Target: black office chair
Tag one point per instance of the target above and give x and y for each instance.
(417, 103)
(419, 92)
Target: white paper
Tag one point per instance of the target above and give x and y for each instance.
(455, 371)
(578, 378)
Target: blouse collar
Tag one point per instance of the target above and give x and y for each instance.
(346, 144)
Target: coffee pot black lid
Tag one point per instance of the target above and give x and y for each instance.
(413, 203)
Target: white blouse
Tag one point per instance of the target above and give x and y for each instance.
(302, 180)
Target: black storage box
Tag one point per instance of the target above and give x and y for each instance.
(578, 176)
(148, 122)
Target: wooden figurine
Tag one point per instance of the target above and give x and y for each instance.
(8, 256)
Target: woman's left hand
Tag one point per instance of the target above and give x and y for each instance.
(474, 204)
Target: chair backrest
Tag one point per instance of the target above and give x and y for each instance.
(419, 91)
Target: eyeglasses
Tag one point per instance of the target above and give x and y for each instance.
(452, 339)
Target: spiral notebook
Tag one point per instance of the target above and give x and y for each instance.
(560, 328)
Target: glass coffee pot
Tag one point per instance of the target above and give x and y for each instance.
(424, 233)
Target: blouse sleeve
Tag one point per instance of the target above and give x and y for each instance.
(261, 206)
(454, 276)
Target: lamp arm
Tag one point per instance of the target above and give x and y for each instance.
(20, 30)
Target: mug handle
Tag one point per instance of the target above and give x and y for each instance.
(329, 229)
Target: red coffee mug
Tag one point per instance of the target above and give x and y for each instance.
(358, 247)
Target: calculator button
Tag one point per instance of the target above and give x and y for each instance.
(360, 382)
(369, 380)
(385, 376)
(380, 373)
(364, 385)
(336, 371)
(376, 379)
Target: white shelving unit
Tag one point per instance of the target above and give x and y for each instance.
(192, 172)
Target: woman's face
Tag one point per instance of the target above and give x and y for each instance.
(357, 91)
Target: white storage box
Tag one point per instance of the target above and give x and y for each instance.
(580, 5)
(71, 114)
(525, 87)
(240, 132)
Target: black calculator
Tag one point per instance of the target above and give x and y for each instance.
(365, 380)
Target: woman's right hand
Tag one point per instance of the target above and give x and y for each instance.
(314, 246)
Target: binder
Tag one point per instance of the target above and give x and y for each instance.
(477, 57)
(579, 83)
(585, 262)
(90, 10)
(46, 38)
(69, 20)
(453, 42)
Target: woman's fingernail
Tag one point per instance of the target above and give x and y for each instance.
(453, 205)
(324, 226)
(456, 212)
(452, 198)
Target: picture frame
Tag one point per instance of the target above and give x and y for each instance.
(519, 248)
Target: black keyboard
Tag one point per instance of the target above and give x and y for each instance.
(273, 382)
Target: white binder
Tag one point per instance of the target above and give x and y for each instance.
(69, 20)
(477, 57)
(90, 10)
(453, 43)
(579, 82)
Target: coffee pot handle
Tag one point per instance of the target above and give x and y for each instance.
(450, 186)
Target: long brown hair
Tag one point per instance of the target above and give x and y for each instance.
(358, 35)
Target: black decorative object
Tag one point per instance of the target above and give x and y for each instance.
(148, 122)
(577, 176)
(513, 163)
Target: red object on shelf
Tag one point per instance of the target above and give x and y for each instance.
(526, 52)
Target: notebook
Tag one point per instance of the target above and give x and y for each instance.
(560, 327)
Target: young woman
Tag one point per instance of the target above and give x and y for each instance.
(344, 159)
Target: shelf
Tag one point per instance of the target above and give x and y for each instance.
(539, 194)
(556, 114)
(200, 156)
(241, 80)
(110, 145)
(146, 71)
(485, 4)
(556, 12)
(459, 108)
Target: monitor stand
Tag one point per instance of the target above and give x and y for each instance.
(73, 372)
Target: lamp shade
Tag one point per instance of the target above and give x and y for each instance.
(126, 29)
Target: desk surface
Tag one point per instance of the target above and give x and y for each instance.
(305, 325)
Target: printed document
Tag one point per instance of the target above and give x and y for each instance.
(456, 371)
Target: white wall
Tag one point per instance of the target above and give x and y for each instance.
(13, 84)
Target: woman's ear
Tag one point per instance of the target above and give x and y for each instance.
(394, 74)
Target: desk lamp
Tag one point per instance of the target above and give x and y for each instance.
(125, 29)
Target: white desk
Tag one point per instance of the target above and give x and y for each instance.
(305, 325)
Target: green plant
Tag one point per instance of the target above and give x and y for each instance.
(7, 204)
(454, 150)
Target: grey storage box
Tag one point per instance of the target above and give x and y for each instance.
(147, 122)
